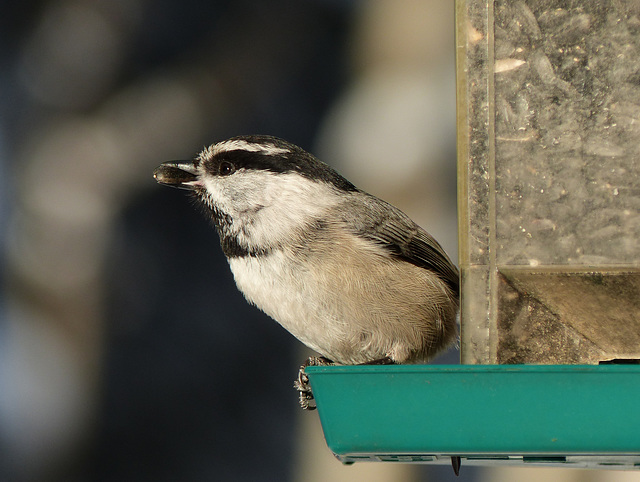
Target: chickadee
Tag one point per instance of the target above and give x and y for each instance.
(346, 273)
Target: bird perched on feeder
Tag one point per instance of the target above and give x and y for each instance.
(349, 275)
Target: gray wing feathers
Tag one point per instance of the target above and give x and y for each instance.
(391, 228)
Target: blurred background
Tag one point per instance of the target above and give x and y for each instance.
(126, 353)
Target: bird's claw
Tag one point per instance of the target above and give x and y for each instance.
(301, 384)
(304, 390)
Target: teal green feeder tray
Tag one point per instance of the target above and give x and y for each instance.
(570, 415)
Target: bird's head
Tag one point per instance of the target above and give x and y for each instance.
(258, 189)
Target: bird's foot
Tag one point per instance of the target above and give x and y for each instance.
(387, 360)
(302, 382)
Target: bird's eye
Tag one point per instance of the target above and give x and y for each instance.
(226, 168)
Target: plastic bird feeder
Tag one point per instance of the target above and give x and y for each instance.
(549, 222)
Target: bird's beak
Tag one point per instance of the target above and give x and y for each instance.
(180, 174)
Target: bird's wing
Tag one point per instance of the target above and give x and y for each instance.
(386, 225)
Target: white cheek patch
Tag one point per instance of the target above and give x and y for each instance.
(218, 194)
(289, 203)
(268, 208)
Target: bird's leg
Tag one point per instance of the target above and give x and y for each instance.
(302, 382)
(387, 360)
(317, 361)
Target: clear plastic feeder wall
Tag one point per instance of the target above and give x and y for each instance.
(549, 173)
